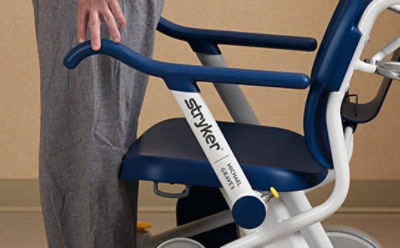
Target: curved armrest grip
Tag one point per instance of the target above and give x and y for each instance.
(206, 41)
(178, 76)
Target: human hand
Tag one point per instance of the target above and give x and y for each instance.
(90, 11)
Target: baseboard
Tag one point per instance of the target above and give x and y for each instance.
(156, 209)
(365, 196)
(171, 209)
(19, 195)
(34, 209)
(19, 209)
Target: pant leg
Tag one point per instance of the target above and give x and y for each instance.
(88, 120)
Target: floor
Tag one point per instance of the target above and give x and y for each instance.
(20, 230)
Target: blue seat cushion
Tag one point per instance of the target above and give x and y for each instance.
(168, 152)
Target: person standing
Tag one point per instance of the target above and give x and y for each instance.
(89, 119)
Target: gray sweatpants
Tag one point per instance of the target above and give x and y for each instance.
(88, 120)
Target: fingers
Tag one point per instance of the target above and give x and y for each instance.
(112, 26)
(82, 23)
(91, 11)
(95, 30)
(116, 10)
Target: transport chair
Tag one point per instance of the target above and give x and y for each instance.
(263, 172)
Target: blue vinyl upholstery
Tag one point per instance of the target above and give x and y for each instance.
(168, 152)
(330, 66)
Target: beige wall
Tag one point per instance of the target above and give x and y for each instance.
(19, 91)
(376, 144)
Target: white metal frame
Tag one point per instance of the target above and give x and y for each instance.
(291, 214)
(215, 146)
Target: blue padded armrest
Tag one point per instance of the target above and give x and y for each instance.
(183, 77)
(206, 41)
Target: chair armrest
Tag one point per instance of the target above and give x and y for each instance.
(183, 77)
(207, 41)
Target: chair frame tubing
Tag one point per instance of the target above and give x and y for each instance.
(291, 214)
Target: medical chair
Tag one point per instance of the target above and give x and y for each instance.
(252, 163)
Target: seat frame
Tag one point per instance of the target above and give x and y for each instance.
(292, 212)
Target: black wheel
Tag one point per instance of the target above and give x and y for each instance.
(202, 202)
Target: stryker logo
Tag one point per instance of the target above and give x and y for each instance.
(205, 128)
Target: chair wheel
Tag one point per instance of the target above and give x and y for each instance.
(181, 243)
(348, 237)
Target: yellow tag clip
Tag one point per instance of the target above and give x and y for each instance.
(142, 226)
(274, 192)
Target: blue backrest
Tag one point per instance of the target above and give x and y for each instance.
(330, 66)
